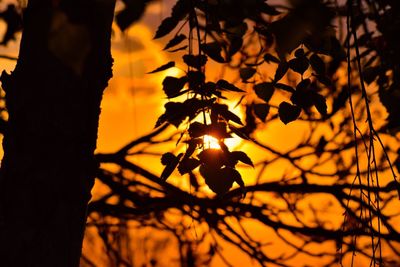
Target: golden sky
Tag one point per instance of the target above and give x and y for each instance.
(134, 100)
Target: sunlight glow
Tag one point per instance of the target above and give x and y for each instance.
(211, 142)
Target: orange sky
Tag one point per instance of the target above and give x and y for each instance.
(134, 100)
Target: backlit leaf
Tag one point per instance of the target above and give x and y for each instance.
(235, 45)
(213, 50)
(264, 90)
(167, 158)
(270, 58)
(163, 67)
(261, 111)
(299, 64)
(317, 64)
(175, 41)
(178, 49)
(197, 129)
(212, 157)
(224, 112)
(320, 103)
(187, 165)
(246, 73)
(284, 87)
(170, 167)
(175, 113)
(288, 112)
(218, 180)
(239, 132)
(131, 13)
(224, 85)
(302, 99)
(303, 85)
(281, 70)
(166, 26)
(195, 61)
(172, 85)
(299, 53)
(241, 156)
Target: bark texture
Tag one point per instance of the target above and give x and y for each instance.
(53, 98)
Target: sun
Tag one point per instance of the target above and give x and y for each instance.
(213, 143)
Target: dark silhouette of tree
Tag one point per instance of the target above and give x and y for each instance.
(53, 102)
(335, 71)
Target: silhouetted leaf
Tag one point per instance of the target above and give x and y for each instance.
(256, 64)
(178, 49)
(194, 106)
(299, 64)
(224, 112)
(241, 156)
(181, 9)
(246, 73)
(172, 162)
(317, 64)
(166, 26)
(187, 165)
(224, 85)
(196, 79)
(218, 180)
(299, 53)
(167, 158)
(320, 103)
(211, 157)
(305, 19)
(239, 132)
(163, 67)
(303, 85)
(284, 87)
(281, 70)
(234, 45)
(270, 58)
(210, 88)
(175, 41)
(302, 98)
(192, 145)
(195, 61)
(172, 85)
(175, 113)
(261, 111)
(197, 129)
(283, 31)
(264, 90)
(288, 112)
(132, 12)
(213, 50)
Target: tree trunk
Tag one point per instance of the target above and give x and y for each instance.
(53, 98)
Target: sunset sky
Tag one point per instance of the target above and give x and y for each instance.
(134, 100)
